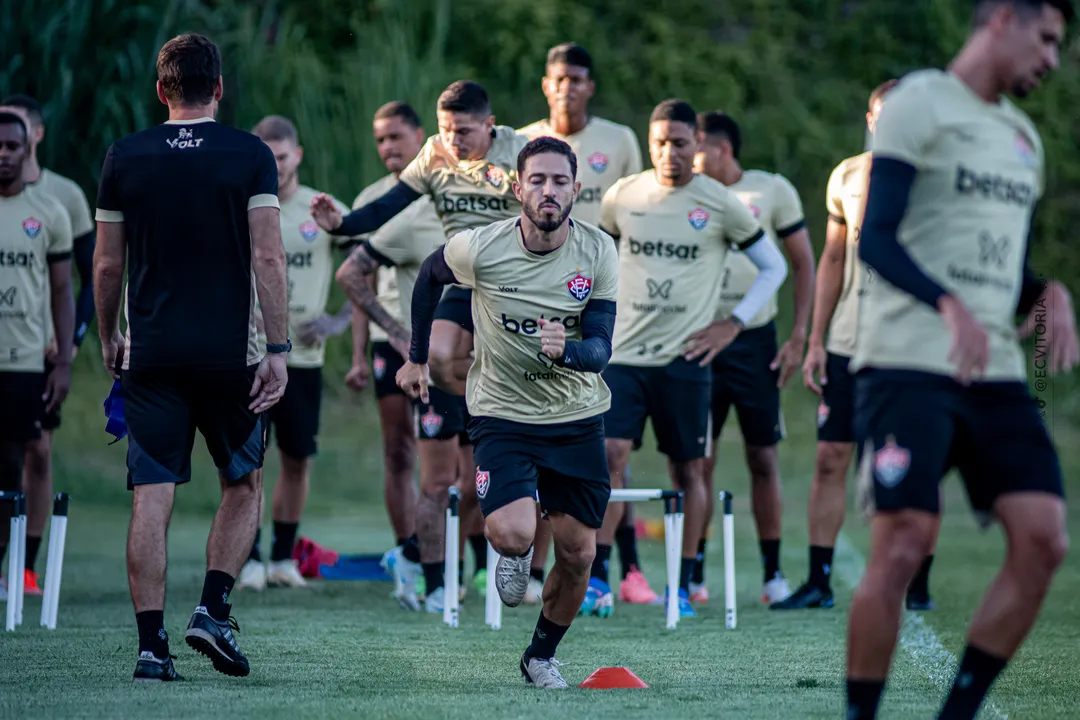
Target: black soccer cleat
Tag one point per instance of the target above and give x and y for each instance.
(149, 669)
(215, 640)
(807, 596)
(920, 602)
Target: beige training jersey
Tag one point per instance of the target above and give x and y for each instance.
(605, 151)
(845, 200)
(406, 241)
(468, 193)
(35, 229)
(775, 203)
(673, 242)
(980, 172)
(513, 289)
(72, 197)
(309, 255)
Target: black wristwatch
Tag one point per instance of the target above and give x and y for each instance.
(279, 348)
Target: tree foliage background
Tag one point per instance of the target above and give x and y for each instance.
(796, 74)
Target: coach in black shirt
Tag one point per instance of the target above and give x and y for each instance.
(193, 206)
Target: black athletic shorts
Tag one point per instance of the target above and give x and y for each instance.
(50, 419)
(742, 378)
(444, 418)
(295, 418)
(836, 411)
(385, 363)
(21, 406)
(563, 465)
(164, 407)
(676, 397)
(916, 426)
(456, 306)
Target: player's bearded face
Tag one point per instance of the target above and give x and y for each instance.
(547, 190)
(397, 141)
(1033, 46)
(287, 155)
(672, 146)
(465, 136)
(12, 153)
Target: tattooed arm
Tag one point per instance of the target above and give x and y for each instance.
(354, 277)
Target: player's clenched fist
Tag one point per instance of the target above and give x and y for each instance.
(552, 339)
(414, 379)
(323, 210)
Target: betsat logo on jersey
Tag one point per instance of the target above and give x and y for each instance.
(598, 161)
(698, 218)
(32, 227)
(184, 140)
(309, 230)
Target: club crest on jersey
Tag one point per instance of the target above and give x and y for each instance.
(756, 210)
(1027, 152)
(891, 463)
(309, 230)
(822, 415)
(598, 161)
(579, 287)
(378, 366)
(32, 227)
(483, 482)
(495, 176)
(431, 422)
(698, 218)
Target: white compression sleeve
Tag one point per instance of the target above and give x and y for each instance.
(772, 270)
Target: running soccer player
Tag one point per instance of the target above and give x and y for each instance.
(309, 255)
(468, 169)
(675, 228)
(181, 375)
(35, 282)
(544, 290)
(38, 481)
(609, 151)
(955, 175)
(841, 282)
(750, 373)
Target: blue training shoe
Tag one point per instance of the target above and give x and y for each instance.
(685, 608)
(599, 600)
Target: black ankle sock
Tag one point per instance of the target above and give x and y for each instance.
(863, 697)
(284, 541)
(545, 638)
(33, 544)
(821, 567)
(401, 541)
(256, 553)
(479, 551)
(537, 573)
(686, 571)
(770, 558)
(215, 594)
(600, 562)
(434, 577)
(461, 573)
(977, 672)
(410, 549)
(698, 577)
(152, 635)
(626, 541)
(920, 584)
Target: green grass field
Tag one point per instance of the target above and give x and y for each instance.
(345, 647)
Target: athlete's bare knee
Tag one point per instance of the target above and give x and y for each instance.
(250, 484)
(832, 463)
(762, 463)
(510, 532)
(902, 541)
(398, 459)
(1039, 549)
(575, 557)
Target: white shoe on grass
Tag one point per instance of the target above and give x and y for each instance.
(252, 576)
(284, 573)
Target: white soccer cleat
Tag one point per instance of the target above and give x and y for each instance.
(544, 674)
(776, 590)
(512, 578)
(435, 601)
(284, 573)
(534, 594)
(406, 575)
(252, 576)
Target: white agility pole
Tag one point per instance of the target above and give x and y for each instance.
(729, 560)
(450, 569)
(50, 601)
(492, 602)
(16, 558)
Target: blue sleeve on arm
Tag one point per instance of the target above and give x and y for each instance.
(593, 351)
(433, 276)
(376, 213)
(1031, 285)
(886, 203)
(84, 304)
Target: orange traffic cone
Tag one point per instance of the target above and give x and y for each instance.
(613, 678)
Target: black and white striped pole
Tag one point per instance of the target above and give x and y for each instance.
(729, 559)
(450, 568)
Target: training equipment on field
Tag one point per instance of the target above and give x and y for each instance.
(613, 678)
(450, 571)
(729, 560)
(50, 600)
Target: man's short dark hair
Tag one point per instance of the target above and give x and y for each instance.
(881, 91)
(188, 69)
(570, 54)
(542, 145)
(398, 109)
(29, 104)
(465, 96)
(10, 118)
(674, 110)
(276, 128)
(1025, 8)
(716, 126)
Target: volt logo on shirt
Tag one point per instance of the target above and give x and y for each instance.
(184, 140)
